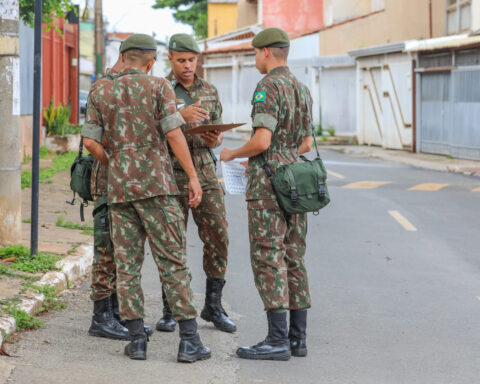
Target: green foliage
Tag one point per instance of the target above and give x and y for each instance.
(50, 8)
(191, 12)
(43, 262)
(26, 159)
(331, 130)
(60, 163)
(87, 229)
(43, 152)
(57, 119)
(51, 300)
(319, 130)
(23, 319)
(27, 221)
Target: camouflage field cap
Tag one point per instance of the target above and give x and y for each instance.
(181, 42)
(271, 38)
(139, 41)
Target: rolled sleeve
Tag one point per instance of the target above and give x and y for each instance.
(266, 121)
(171, 122)
(92, 131)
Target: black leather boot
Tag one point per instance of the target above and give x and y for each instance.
(297, 333)
(116, 314)
(166, 323)
(104, 323)
(276, 346)
(191, 348)
(137, 348)
(213, 310)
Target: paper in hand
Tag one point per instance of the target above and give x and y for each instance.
(234, 177)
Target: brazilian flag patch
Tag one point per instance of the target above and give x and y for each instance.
(259, 97)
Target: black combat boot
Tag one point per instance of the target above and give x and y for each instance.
(137, 348)
(116, 314)
(297, 333)
(166, 323)
(191, 348)
(276, 346)
(213, 310)
(104, 323)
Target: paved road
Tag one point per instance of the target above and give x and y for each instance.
(394, 271)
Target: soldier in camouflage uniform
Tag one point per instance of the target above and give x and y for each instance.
(198, 102)
(282, 125)
(106, 320)
(136, 113)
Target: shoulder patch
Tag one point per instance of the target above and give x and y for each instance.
(259, 97)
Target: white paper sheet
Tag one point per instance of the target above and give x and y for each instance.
(234, 177)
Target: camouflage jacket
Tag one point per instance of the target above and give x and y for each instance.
(135, 111)
(208, 95)
(283, 105)
(99, 179)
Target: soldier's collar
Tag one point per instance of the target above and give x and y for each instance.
(282, 69)
(173, 80)
(130, 71)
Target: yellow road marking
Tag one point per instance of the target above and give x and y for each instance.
(476, 189)
(337, 175)
(402, 221)
(366, 184)
(433, 187)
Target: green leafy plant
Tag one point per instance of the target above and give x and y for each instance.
(57, 118)
(43, 152)
(331, 130)
(43, 262)
(50, 8)
(26, 159)
(27, 221)
(319, 130)
(23, 319)
(51, 300)
(85, 228)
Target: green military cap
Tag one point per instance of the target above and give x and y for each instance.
(139, 41)
(181, 42)
(271, 38)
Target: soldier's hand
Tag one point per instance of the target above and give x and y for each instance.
(194, 113)
(194, 193)
(245, 164)
(211, 138)
(226, 154)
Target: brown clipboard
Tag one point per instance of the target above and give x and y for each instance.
(212, 127)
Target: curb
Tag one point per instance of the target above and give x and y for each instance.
(72, 268)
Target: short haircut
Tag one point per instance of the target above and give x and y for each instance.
(139, 56)
(280, 53)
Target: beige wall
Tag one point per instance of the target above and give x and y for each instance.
(222, 18)
(475, 15)
(247, 13)
(399, 21)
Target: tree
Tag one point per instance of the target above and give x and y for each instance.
(50, 9)
(191, 12)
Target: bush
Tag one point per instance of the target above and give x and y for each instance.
(331, 130)
(319, 130)
(43, 262)
(57, 120)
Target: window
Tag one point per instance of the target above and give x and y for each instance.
(459, 16)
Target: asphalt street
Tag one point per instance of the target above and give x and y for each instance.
(394, 269)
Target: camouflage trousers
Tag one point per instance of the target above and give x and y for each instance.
(277, 250)
(210, 217)
(103, 273)
(161, 221)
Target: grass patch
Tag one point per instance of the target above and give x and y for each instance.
(51, 300)
(27, 221)
(43, 262)
(23, 319)
(85, 228)
(43, 152)
(60, 163)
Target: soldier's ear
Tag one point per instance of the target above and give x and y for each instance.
(122, 57)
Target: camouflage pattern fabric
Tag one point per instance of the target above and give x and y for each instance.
(135, 111)
(210, 215)
(161, 221)
(283, 105)
(277, 250)
(103, 274)
(103, 265)
(205, 92)
(277, 240)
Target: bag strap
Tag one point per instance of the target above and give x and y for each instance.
(320, 185)
(293, 186)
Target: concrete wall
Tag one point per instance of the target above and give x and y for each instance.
(287, 14)
(222, 17)
(475, 15)
(398, 21)
(247, 13)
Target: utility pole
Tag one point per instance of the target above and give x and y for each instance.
(37, 104)
(98, 38)
(10, 162)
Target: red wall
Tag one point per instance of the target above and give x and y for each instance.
(294, 16)
(59, 69)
